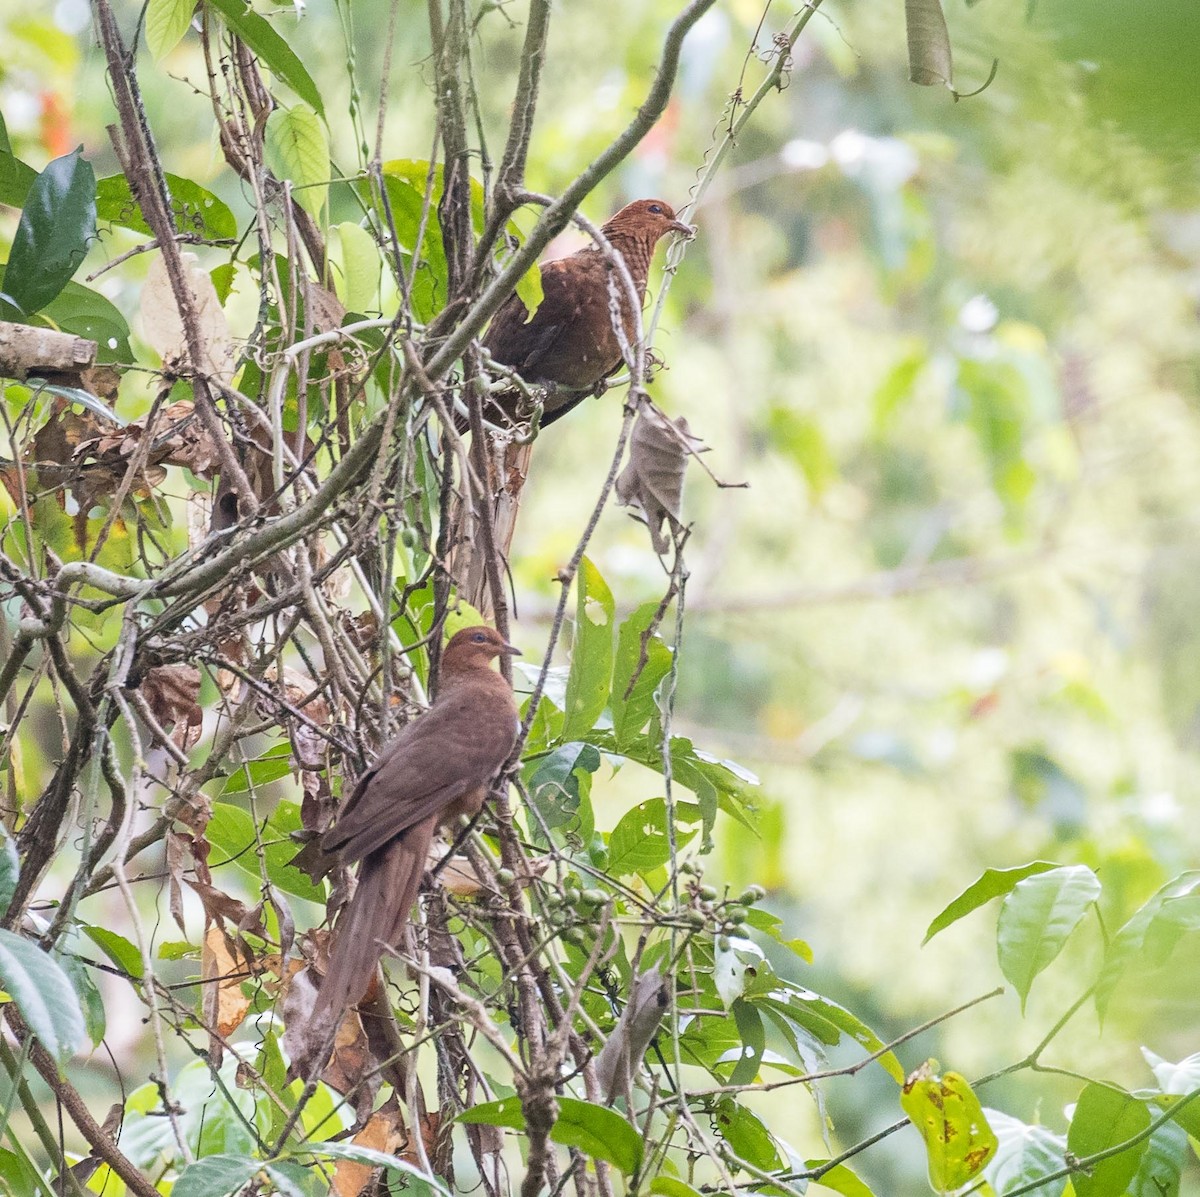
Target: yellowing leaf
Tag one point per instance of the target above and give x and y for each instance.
(296, 139)
(958, 1140)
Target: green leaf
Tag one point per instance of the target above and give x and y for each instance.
(559, 786)
(415, 1181)
(958, 1140)
(215, 1176)
(10, 869)
(358, 282)
(1024, 1154)
(840, 1179)
(1128, 945)
(194, 209)
(747, 1137)
(826, 1020)
(44, 995)
(16, 1176)
(407, 206)
(595, 1130)
(591, 673)
(273, 52)
(1036, 919)
(529, 289)
(754, 1042)
(296, 138)
(90, 1001)
(166, 23)
(57, 222)
(633, 705)
(896, 387)
(1103, 1118)
(1159, 1172)
(16, 177)
(118, 949)
(639, 842)
(275, 763)
(86, 313)
(231, 831)
(992, 884)
(929, 61)
(772, 925)
(670, 1186)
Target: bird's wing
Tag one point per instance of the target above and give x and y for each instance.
(514, 339)
(453, 748)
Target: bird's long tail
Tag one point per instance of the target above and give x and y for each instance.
(373, 920)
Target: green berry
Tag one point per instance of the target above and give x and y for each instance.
(505, 877)
(593, 897)
(723, 943)
(754, 893)
(735, 915)
(707, 893)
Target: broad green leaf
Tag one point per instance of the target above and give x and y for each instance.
(118, 949)
(86, 313)
(735, 967)
(670, 1186)
(1128, 945)
(639, 842)
(595, 1130)
(591, 673)
(273, 52)
(1161, 1167)
(559, 785)
(57, 222)
(297, 140)
(358, 280)
(1103, 1118)
(44, 995)
(826, 1020)
(958, 1140)
(15, 176)
(409, 216)
(231, 831)
(840, 1179)
(992, 884)
(746, 1135)
(754, 1043)
(90, 1001)
(10, 869)
(415, 1181)
(633, 704)
(15, 1174)
(275, 763)
(529, 289)
(896, 387)
(194, 209)
(929, 61)
(1024, 1154)
(1036, 919)
(772, 925)
(166, 23)
(215, 1176)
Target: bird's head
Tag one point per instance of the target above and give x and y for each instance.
(475, 648)
(650, 219)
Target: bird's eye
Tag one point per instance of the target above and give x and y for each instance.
(656, 209)
(479, 638)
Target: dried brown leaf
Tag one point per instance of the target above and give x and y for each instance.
(172, 691)
(223, 967)
(652, 480)
(384, 1132)
(162, 325)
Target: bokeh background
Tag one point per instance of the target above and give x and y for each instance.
(953, 621)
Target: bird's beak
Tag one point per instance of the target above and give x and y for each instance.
(510, 651)
(688, 230)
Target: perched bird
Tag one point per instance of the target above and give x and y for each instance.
(438, 768)
(570, 346)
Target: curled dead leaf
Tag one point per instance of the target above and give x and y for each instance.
(385, 1131)
(224, 965)
(172, 693)
(652, 480)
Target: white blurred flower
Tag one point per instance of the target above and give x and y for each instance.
(802, 154)
(888, 161)
(979, 314)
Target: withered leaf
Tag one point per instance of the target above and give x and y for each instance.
(171, 692)
(652, 480)
(223, 966)
(384, 1132)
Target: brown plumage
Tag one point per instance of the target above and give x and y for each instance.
(438, 768)
(570, 346)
